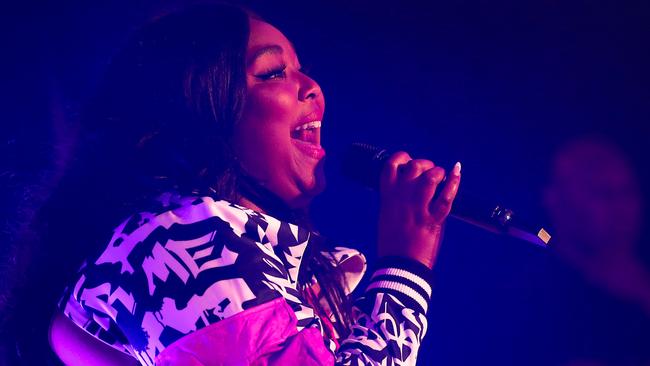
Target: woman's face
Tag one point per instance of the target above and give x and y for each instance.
(278, 137)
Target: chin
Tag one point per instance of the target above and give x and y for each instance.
(318, 181)
(309, 191)
(308, 195)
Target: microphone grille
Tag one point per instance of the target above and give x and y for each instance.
(363, 163)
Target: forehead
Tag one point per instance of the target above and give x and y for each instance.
(263, 34)
(591, 164)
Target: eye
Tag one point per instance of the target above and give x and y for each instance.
(276, 73)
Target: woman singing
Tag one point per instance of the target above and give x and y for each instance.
(189, 198)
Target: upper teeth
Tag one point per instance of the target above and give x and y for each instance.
(308, 125)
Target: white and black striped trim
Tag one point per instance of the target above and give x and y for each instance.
(408, 280)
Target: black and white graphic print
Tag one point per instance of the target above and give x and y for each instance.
(194, 261)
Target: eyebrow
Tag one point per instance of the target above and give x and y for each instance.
(264, 50)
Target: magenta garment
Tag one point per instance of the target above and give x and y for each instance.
(264, 335)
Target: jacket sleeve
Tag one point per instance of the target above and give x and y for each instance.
(389, 319)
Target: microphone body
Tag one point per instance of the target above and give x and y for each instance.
(363, 163)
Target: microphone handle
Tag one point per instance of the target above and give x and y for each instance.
(497, 219)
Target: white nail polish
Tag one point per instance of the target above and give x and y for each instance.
(457, 168)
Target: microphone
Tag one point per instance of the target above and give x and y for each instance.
(363, 164)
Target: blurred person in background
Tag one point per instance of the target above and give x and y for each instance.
(596, 285)
(594, 202)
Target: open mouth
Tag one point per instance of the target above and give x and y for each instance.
(308, 132)
(307, 138)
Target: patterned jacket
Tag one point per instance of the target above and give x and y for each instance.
(199, 281)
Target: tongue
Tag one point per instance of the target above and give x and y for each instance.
(307, 135)
(298, 135)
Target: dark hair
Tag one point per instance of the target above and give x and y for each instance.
(162, 119)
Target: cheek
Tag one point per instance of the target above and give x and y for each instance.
(580, 211)
(270, 106)
(263, 135)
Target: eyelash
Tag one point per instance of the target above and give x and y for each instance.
(279, 73)
(276, 73)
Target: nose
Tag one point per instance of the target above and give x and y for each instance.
(309, 89)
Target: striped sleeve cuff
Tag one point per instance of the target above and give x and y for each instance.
(408, 280)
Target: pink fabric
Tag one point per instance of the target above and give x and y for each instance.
(265, 335)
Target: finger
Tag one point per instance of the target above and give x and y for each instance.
(442, 204)
(389, 171)
(413, 168)
(428, 184)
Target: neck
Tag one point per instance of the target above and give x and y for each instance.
(619, 273)
(255, 196)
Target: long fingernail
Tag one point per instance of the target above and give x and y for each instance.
(457, 167)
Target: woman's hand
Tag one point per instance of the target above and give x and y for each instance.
(410, 220)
